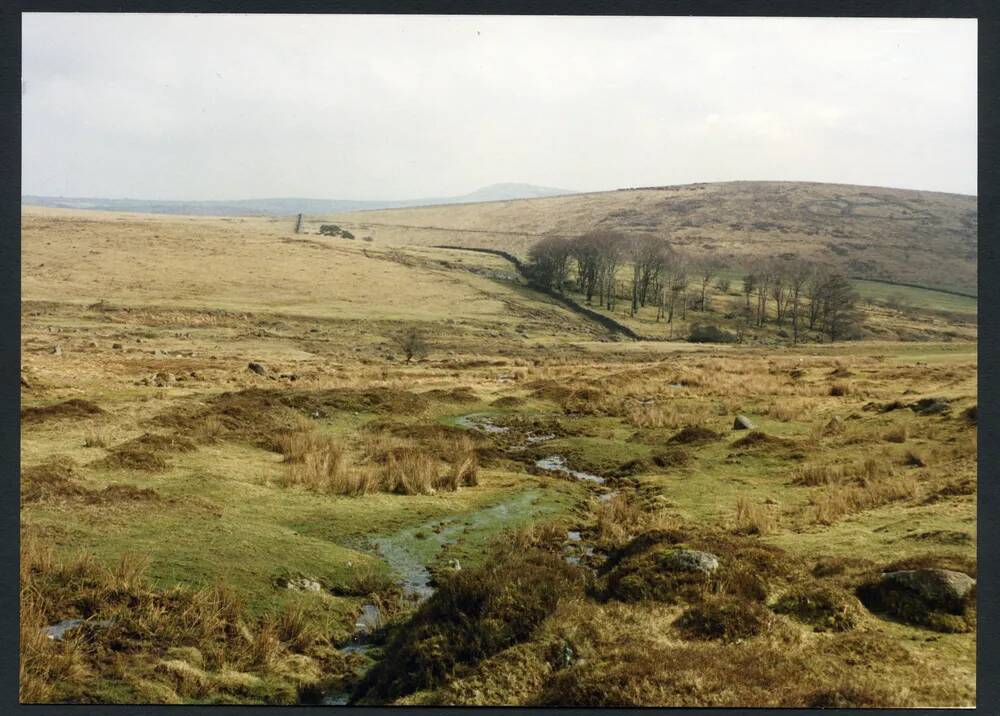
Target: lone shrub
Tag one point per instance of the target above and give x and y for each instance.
(412, 343)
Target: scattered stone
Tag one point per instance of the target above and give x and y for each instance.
(56, 632)
(742, 422)
(257, 368)
(690, 560)
(942, 589)
(56, 350)
(455, 565)
(305, 585)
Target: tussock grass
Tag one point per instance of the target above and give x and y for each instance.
(155, 644)
(897, 434)
(473, 615)
(839, 500)
(870, 468)
(753, 518)
(385, 463)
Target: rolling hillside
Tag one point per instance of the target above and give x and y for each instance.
(285, 206)
(897, 235)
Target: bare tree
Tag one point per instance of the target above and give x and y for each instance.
(706, 269)
(797, 275)
(412, 342)
(814, 292)
(840, 315)
(549, 262)
(611, 247)
(586, 250)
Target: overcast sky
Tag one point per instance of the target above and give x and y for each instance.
(393, 107)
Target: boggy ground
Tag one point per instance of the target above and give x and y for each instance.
(218, 530)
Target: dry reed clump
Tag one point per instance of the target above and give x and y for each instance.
(208, 429)
(318, 462)
(763, 672)
(873, 467)
(150, 645)
(671, 415)
(838, 500)
(618, 519)
(96, 438)
(896, 434)
(752, 518)
(791, 409)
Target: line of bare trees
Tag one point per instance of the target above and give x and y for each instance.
(803, 293)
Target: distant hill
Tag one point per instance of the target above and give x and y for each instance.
(286, 206)
(923, 238)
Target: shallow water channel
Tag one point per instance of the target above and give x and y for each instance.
(408, 554)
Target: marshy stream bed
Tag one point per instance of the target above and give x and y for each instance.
(411, 552)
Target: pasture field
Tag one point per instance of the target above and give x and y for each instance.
(234, 479)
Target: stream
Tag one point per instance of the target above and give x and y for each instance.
(410, 550)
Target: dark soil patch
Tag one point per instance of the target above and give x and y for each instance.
(549, 390)
(756, 439)
(461, 394)
(74, 408)
(122, 493)
(931, 406)
(694, 434)
(507, 402)
(153, 442)
(671, 457)
(971, 414)
(52, 479)
(126, 457)
(837, 566)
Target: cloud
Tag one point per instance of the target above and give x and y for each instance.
(230, 106)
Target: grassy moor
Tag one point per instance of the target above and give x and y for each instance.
(703, 445)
